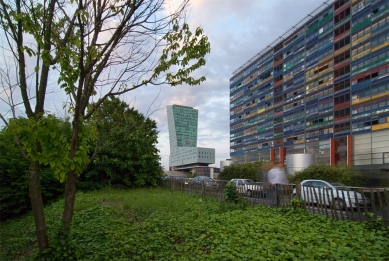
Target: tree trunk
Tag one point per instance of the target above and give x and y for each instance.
(70, 197)
(34, 185)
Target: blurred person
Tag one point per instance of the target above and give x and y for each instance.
(276, 177)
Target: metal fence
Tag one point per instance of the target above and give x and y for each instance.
(353, 203)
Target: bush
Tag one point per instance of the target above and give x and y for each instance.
(14, 192)
(346, 175)
(250, 170)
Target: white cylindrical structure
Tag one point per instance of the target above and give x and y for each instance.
(225, 163)
(297, 162)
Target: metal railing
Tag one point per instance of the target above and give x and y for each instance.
(354, 203)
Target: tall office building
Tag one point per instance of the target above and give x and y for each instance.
(321, 88)
(182, 124)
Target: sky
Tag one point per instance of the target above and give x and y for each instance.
(237, 30)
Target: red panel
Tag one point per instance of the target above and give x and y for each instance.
(342, 105)
(341, 118)
(332, 152)
(278, 83)
(278, 62)
(272, 155)
(337, 66)
(349, 150)
(341, 35)
(342, 8)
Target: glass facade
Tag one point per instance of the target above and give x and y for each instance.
(182, 124)
(316, 88)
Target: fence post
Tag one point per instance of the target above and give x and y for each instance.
(202, 188)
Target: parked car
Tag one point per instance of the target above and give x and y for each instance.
(209, 182)
(248, 187)
(331, 193)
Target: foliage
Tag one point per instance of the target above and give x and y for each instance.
(77, 43)
(250, 170)
(345, 175)
(175, 226)
(231, 192)
(297, 204)
(375, 223)
(47, 141)
(14, 193)
(126, 153)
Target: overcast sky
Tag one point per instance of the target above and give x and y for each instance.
(237, 31)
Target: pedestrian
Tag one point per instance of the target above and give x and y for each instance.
(276, 177)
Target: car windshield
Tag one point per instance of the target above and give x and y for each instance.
(209, 179)
(338, 185)
(248, 181)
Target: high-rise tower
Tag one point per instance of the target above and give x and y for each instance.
(184, 153)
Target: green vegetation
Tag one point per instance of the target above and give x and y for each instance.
(14, 193)
(68, 42)
(346, 175)
(125, 152)
(156, 224)
(249, 170)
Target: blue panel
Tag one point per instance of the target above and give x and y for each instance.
(342, 78)
(342, 134)
(325, 46)
(360, 85)
(326, 136)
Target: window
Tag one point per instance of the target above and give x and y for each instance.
(360, 48)
(342, 127)
(342, 113)
(278, 68)
(311, 48)
(326, 26)
(342, 71)
(361, 64)
(341, 57)
(278, 57)
(361, 17)
(380, 39)
(278, 78)
(311, 61)
(339, 17)
(277, 99)
(345, 41)
(341, 29)
(325, 40)
(326, 52)
(339, 3)
(341, 99)
(278, 47)
(360, 34)
(278, 120)
(381, 23)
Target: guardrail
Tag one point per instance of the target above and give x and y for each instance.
(356, 203)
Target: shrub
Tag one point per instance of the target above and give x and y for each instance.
(346, 175)
(250, 170)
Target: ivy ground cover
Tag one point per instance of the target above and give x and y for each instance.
(156, 224)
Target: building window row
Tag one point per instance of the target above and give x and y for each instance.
(341, 43)
(342, 15)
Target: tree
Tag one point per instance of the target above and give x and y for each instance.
(125, 154)
(249, 170)
(14, 198)
(90, 47)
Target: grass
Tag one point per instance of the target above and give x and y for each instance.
(156, 224)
